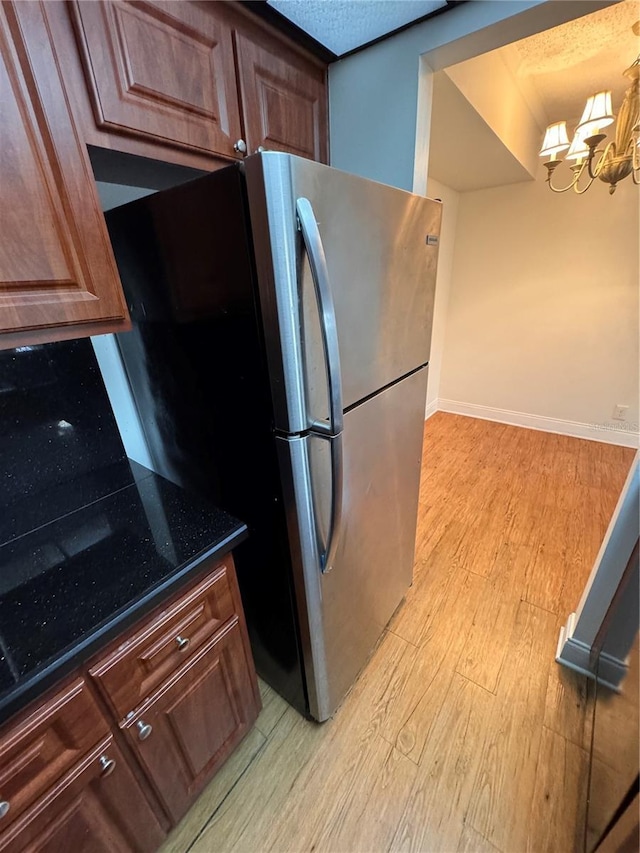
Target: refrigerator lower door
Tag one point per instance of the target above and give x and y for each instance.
(343, 612)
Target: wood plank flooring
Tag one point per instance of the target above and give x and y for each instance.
(462, 734)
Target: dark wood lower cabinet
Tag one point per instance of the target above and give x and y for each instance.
(191, 726)
(79, 775)
(98, 807)
(45, 744)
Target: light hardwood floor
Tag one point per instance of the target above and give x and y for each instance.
(462, 734)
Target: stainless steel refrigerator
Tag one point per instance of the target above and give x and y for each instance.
(282, 317)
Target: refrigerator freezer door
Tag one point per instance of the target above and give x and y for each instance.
(342, 613)
(381, 268)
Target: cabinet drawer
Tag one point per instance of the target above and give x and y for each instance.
(130, 673)
(39, 748)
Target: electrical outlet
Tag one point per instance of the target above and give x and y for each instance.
(620, 412)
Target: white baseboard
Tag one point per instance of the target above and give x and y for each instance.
(608, 433)
(431, 409)
(577, 656)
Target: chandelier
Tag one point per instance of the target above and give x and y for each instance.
(611, 163)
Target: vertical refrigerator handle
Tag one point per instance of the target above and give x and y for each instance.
(335, 520)
(332, 431)
(320, 276)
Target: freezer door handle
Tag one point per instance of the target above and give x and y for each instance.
(320, 276)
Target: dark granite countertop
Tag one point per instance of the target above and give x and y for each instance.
(70, 586)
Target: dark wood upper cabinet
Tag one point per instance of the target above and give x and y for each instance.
(195, 83)
(56, 264)
(161, 70)
(78, 773)
(164, 72)
(283, 100)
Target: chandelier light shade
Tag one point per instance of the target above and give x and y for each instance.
(597, 114)
(555, 140)
(612, 163)
(578, 149)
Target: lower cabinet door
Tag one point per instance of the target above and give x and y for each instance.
(97, 807)
(190, 726)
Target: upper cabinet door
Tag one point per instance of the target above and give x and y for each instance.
(56, 264)
(164, 71)
(284, 101)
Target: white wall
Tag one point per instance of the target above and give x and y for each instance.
(489, 85)
(121, 399)
(361, 141)
(543, 308)
(113, 195)
(449, 200)
(108, 355)
(578, 639)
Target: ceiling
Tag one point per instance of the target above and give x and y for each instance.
(554, 71)
(571, 62)
(342, 26)
(464, 153)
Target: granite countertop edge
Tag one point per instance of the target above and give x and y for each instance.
(39, 681)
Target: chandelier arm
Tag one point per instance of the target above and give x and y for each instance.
(577, 172)
(635, 161)
(604, 152)
(562, 189)
(585, 188)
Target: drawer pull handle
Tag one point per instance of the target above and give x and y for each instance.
(182, 643)
(108, 766)
(4, 808)
(144, 730)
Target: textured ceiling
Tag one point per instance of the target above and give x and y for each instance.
(343, 25)
(568, 63)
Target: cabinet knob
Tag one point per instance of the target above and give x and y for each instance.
(240, 146)
(260, 149)
(182, 643)
(4, 808)
(108, 766)
(144, 730)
